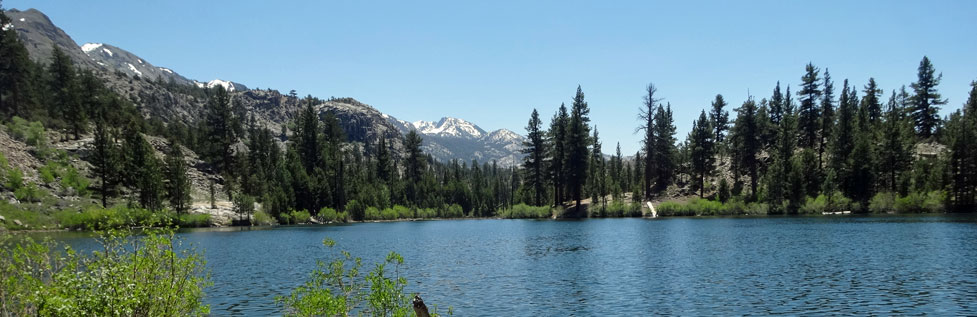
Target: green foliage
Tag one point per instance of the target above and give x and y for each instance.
(706, 207)
(152, 275)
(29, 219)
(28, 193)
(243, 206)
(31, 133)
(523, 211)
(122, 217)
(331, 215)
(300, 216)
(339, 288)
(47, 173)
(929, 202)
(884, 202)
(372, 213)
(453, 211)
(827, 203)
(618, 208)
(263, 219)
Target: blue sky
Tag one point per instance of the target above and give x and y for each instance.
(491, 62)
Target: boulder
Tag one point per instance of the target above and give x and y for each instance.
(17, 222)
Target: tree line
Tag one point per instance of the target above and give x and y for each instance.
(779, 150)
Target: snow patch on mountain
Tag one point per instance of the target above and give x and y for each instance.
(134, 70)
(88, 47)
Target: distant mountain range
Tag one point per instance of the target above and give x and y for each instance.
(457, 139)
(146, 85)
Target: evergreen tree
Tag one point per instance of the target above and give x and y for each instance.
(65, 103)
(776, 106)
(861, 178)
(663, 157)
(827, 118)
(647, 116)
(384, 173)
(747, 143)
(177, 180)
(414, 165)
(963, 155)
(219, 130)
(702, 154)
(809, 115)
(16, 72)
(578, 134)
(597, 185)
(719, 119)
(558, 153)
(896, 146)
(105, 160)
(927, 100)
(533, 163)
(844, 142)
(871, 101)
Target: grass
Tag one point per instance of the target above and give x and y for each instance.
(523, 211)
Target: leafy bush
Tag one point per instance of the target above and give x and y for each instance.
(48, 173)
(194, 220)
(883, 203)
(327, 214)
(618, 208)
(152, 275)
(372, 213)
(930, 202)
(426, 213)
(403, 212)
(29, 193)
(356, 209)
(338, 288)
(72, 179)
(453, 211)
(286, 218)
(15, 179)
(300, 216)
(262, 219)
(823, 203)
(523, 211)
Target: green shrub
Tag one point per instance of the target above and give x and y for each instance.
(338, 288)
(195, 220)
(426, 213)
(523, 211)
(15, 179)
(72, 179)
(453, 211)
(29, 193)
(388, 214)
(930, 202)
(372, 213)
(300, 216)
(262, 219)
(327, 214)
(706, 207)
(356, 209)
(286, 218)
(882, 203)
(97, 218)
(672, 208)
(403, 212)
(29, 218)
(152, 275)
(48, 173)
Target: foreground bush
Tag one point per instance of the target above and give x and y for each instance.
(122, 217)
(523, 211)
(930, 202)
(147, 276)
(338, 288)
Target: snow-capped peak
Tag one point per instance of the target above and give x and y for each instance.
(503, 135)
(88, 47)
(229, 86)
(448, 126)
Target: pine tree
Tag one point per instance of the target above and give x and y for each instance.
(719, 119)
(16, 71)
(558, 153)
(776, 106)
(533, 163)
(663, 157)
(963, 155)
(871, 101)
(647, 116)
(414, 166)
(748, 145)
(843, 142)
(578, 134)
(219, 130)
(809, 115)
(702, 154)
(383, 162)
(927, 100)
(895, 149)
(177, 180)
(827, 118)
(861, 179)
(105, 160)
(597, 169)
(65, 103)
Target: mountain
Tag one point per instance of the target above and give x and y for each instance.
(163, 94)
(457, 139)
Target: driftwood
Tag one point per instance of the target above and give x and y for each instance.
(419, 308)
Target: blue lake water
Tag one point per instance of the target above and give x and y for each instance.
(685, 266)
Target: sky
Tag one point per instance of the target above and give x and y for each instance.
(492, 62)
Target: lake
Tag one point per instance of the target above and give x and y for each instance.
(682, 266)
